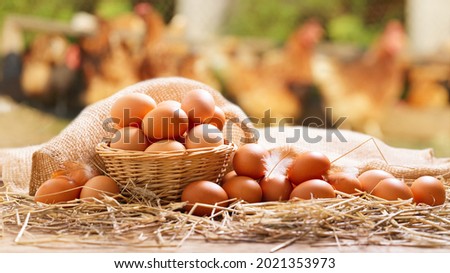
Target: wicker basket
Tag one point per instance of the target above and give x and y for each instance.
(163, 176)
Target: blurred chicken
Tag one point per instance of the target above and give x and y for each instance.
(167, 53)
(116, 71)
(163, 50)
(293, 63)
(111, 56)
(362, 89)
(429, 86)
(271, 82)
(137, 46)
(194, 66)
(50, 77)
(153, 22)
(94, 49)
(37, 68)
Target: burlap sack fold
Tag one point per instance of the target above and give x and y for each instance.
(27, 168)
(355, 150)
(24, 169)
(15, 167)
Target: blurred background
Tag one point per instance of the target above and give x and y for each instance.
(382, 64)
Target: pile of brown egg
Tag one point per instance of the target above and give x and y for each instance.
(308, 176)
(143, 125)
(75, 181)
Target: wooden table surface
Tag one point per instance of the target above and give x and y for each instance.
(8, 245)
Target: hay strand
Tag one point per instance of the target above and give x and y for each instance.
(348, 220)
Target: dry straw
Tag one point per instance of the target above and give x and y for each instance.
(346, 220)
(163, 175)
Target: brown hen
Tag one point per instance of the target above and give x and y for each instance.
(364, 88)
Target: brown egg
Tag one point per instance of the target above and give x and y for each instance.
(345, 182)
(165, 122)
(131, 108)
(199, 105)
(99, 186)
(166, 145)
(307, 166)
(55, 190)
(204, 192)
(428, 190)
(218, 118)
(228, 176)
(248, 160)
(204, 136)
(129, 138)
(275, 188)
(171, 103)
(314, 188)
(243, 188)
(369, 179)
(392, 189)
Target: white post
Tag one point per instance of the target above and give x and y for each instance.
(429, 25)
(204, 18)
(12, 38)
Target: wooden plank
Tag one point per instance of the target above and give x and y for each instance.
(196, 246)
(44, 25)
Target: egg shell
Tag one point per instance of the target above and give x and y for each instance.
(99, 186)
(199, 105)
(131, 108)
(428, 190)
(55, 190)
(248, 160)
(166, 145)
(204, 136)
(307, 166)
(218, 119)
(243, 188)
(392, 189)
(228, 176)
(129, 138)
(314, 188)
(345, 182)
(369, 179)
(165, 122)
(275, 188)
(171, 103)
(205, 192)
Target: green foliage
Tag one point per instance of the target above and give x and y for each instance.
(55, 9)
(111, 8)
(51, 9)
(274, 19)
(346, 21)
(350, 28)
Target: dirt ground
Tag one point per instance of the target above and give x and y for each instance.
(405, 127)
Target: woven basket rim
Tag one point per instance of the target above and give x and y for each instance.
(104, 149)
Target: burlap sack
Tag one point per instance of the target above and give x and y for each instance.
(355, 150)
(25, 169)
